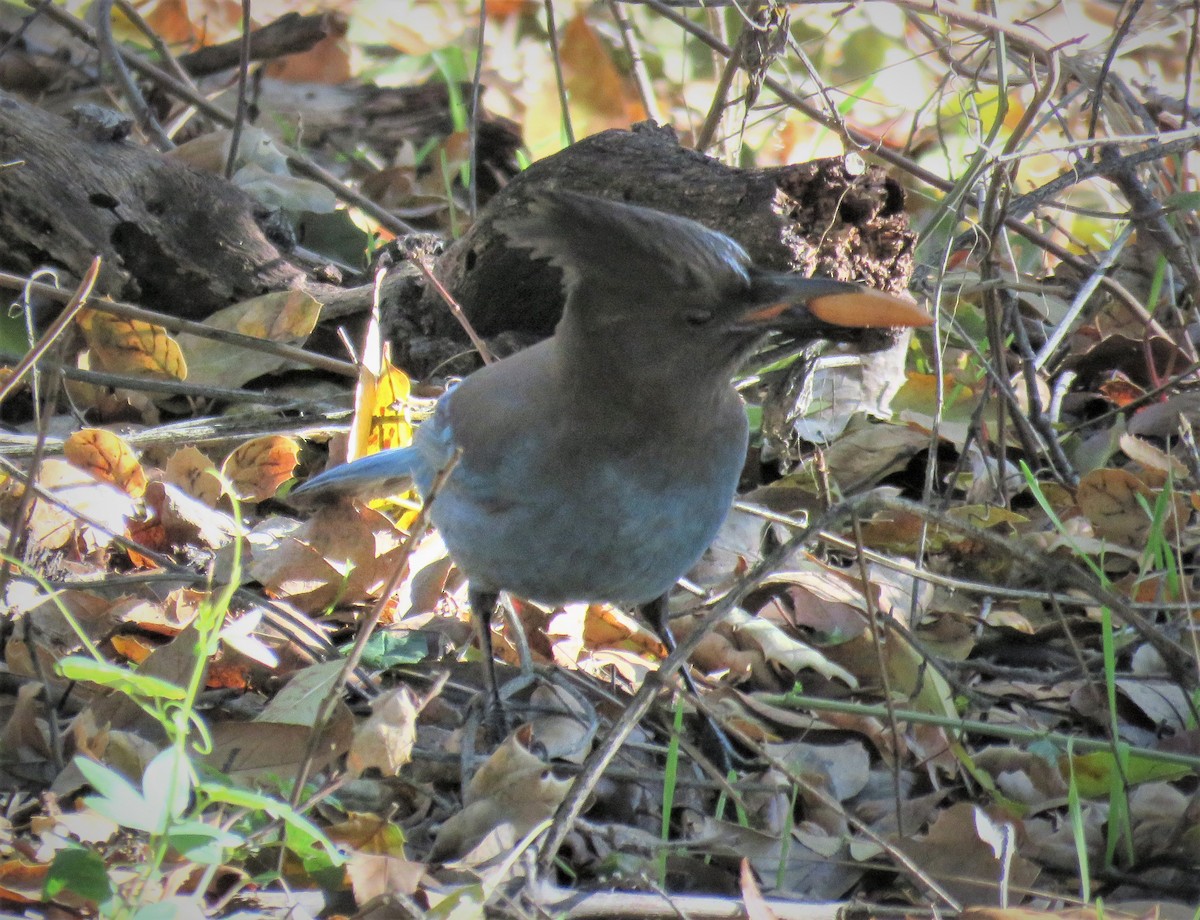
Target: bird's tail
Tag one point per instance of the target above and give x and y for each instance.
(388, 472)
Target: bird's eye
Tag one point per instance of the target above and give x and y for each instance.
(698, 317)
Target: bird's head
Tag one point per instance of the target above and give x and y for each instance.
(665, 294)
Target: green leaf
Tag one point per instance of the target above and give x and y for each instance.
(81, 872)
(1094, 772)
(118, 799)
(301, 836)
(1183, 201)
(168, 782)
(14, 338)
(387, 648)
(172, 909)
(864, 52)
(77, 667)
(203, 843)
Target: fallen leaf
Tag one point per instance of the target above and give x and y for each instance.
(130, 346)
(84, 500)
(192, 470)
(257, 469)
(286, 317)
(385, 740)
(108, 458)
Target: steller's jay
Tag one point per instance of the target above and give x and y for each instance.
(599, 464)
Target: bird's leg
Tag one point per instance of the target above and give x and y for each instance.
(657, 613)
(483, 606)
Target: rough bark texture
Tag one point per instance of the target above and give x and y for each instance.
(171, 238)
(810, 218)
(188, 243)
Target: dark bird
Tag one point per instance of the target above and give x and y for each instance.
(599, 464)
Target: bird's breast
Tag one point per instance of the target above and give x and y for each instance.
(567, 514)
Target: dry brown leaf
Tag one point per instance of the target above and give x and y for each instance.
(369, 833)
(868, 451)
(257, 469)
(108, 458)
(187, 522)
(509, 795)
(900, 532)
(374, 876)
(283, 316)
(105, 404)
(132, 648)
(149, 535)
(210, 153)
(1070, 913)
(327, 62)
(26, 737)
(514, 755)
(262, 751)
(601, 96)
(22, 882)
(162, 618)
(1151, 457)
(133, 347)
(956, 856)
(503, 9)
(85, 825)
(784, 650)
(170, 21)
(558, 736)
(598, 90)
(756, 905)
(385, 739)
(716, 654)
(1023, 776)
(809, 863)
(192, 470)
(54, 635)
(52, 527)
(1119, 390)
(1163, 703)
(345, 552)
(292, 569)
(276, 740)
(1109, 499)
(605, 626)
(416, 27)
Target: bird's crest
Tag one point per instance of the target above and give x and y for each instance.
(613, 242)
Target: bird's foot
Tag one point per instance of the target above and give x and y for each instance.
(496, 721)
(716, 743)
(501, 717)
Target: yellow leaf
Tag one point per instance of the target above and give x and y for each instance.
(128, 346)
(380, 419)
(108, 458)
(593, 80)
(412, 27)
(600, 97)
(1097, 771)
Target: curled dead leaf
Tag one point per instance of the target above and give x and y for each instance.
(385, 739)
(509, 795)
